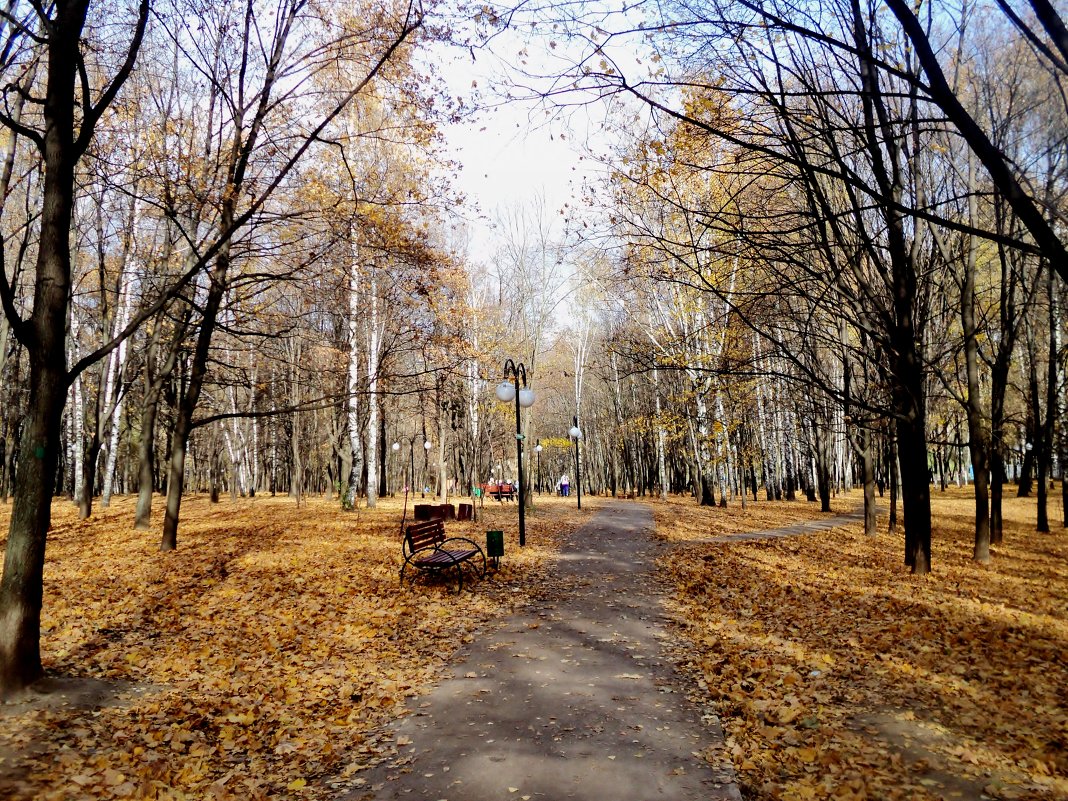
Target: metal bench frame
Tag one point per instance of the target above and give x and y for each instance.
(426, 548)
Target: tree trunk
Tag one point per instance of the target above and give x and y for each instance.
(867, 462)
(296, 480)
(661, 442)
(373, 399)
(1024, 484)
(823, 464)
(146, 462)
(706, 495)
(198, 370)
(441, 479)
(353, 378)
(997, 458)
(383, 456)
(88, 488)
(1047, 424)
(978, 434)
(9, 457)
(892, 478)
(915, 495)
(21, 588)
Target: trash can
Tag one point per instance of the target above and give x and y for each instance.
(495, 547)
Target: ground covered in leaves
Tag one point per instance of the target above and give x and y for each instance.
(257, 661)
(838, 675)
(262, 658)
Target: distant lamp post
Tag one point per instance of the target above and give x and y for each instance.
(576, 435)
(410, 487)
(506, 392)
(426, 448)
(537, 450)
(396, 450)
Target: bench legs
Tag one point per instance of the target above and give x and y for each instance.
(459, 570)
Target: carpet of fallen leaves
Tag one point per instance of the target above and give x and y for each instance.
(679, 520)
(259, 660)
(262, 659)
(838, 675)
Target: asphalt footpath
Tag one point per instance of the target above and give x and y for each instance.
(576, 698)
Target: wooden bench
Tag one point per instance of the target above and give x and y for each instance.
(500, 492)
(427, 548)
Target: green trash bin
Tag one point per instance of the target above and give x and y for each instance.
(495, 547)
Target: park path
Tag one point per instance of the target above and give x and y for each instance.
(804, 527)
(574, 699)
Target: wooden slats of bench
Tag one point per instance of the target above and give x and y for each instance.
(445, 557)
(426, 535)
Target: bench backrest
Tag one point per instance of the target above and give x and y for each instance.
(425, 535)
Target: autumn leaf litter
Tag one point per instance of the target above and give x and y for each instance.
(837, 675)
(265, 657)
(261, 659)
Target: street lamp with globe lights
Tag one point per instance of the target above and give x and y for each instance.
(506, 392)
(576, 434)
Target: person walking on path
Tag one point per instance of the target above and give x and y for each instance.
(573, 700)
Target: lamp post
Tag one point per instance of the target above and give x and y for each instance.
(396, 449)
(537, 450)
(426, 461)
(576, 435)
(411, 467)
(506, 392)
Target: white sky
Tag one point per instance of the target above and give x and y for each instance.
(514, 154)
(509, 154)
(515, 151)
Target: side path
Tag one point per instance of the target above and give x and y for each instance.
(805, 527)
(571, 701)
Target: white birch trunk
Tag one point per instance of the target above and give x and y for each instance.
(231, 454)
(296, 488)
(726, 461)
(372, 394)
(353, 384)
(618, 398)
(78, 417)
(443, 478)
(704, 453)
(661, 439)
(236, 449)
(274, 445)
(477, 390)
(254, 455)
(115, 370)
(779, 435)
